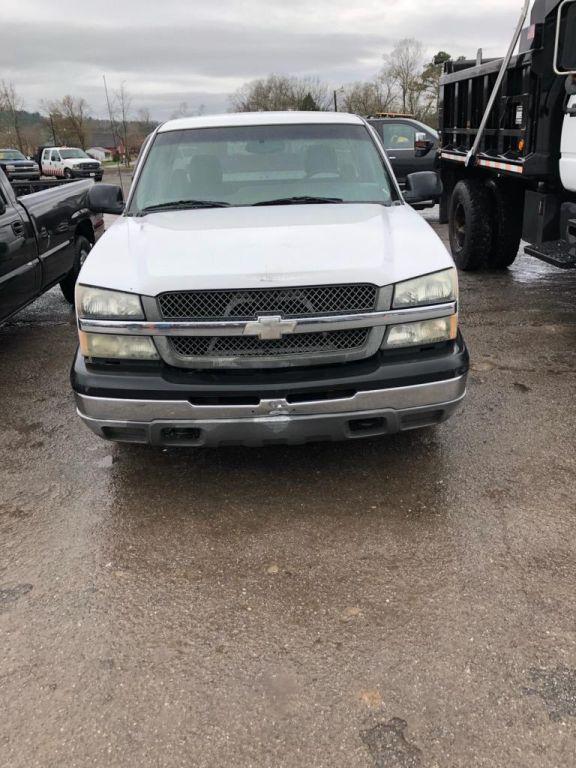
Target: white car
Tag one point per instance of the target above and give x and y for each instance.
(266, 283)
(70, 163)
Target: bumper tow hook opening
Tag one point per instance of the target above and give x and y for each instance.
(375, 425)
(181, 435)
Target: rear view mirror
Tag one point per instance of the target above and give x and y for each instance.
(423, 189)
(106, 198)
(565, 49)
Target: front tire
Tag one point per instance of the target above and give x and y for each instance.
(471, 228)
(82, 247)
(68, 173)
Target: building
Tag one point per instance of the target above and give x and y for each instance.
(100, 153)
(106, 140)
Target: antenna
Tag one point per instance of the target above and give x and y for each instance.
(113, 129)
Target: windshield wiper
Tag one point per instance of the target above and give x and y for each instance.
(302, 200)
(183, 205)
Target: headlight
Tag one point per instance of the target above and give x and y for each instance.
(422, 333)
(108, 346)
(100, 304)
(437, 288)
(10, 167)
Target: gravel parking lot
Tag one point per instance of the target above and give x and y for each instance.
(400, 603)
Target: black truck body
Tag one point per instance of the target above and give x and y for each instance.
(44, 237)
(502, 180)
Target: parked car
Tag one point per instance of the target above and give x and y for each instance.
(276, 289)
(16, 166)
(411, 145)
(70, 163)
(44, 240)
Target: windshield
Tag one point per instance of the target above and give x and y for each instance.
(71, 154)
(11, 154)
(250, 165)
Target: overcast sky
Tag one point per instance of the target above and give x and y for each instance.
(199, 51)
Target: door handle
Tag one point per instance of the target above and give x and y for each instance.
(18, 228)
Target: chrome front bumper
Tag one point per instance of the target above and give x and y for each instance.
(181, 423)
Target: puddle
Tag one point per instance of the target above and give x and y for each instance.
(388, 746)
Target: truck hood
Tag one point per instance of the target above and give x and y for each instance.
(19, 163)
(264, 247)
(73, 162)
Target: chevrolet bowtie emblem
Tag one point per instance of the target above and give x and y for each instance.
(270, 327)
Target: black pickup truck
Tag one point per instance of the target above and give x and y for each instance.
(44, 239)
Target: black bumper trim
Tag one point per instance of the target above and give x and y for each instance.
(164, 383)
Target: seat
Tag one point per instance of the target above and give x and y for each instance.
(205, 173)
(179, 185)
(321, 162)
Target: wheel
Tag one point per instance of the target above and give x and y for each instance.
(471, 228)
(82, 247)
(98, 178)
(508, 207)
(68, 173)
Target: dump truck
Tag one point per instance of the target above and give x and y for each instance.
(508, 145)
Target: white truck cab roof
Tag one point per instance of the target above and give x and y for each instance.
(261, 118)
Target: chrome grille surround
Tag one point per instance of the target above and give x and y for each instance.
(251, 303)
(268, 328)
(320, 300)
(252, 346)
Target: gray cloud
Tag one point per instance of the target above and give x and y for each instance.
(199, 52)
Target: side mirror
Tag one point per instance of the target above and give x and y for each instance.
(106, 198)
(423, 190)
(422, 145)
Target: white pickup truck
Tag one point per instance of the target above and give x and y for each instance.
(70, 163)
(266, 282)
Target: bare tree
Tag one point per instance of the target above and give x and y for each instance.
(122, 106)
(404, 68)
(53, 119)
(75, 113)
(370, 98)
(68, 120)
(281, 93)
(12, 104)
(183, 110)
(144, 121)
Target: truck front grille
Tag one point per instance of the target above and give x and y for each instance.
(309, 344)
(249, 304)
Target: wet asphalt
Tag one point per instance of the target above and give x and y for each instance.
(406, 602)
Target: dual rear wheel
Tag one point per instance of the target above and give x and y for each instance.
(485, 224)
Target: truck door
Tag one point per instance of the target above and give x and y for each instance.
(568, 159)
(45, 163)
(20, 271)
(55, 164)
(399, 142)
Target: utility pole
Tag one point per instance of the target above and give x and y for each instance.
(336, 92)
(53, 129)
